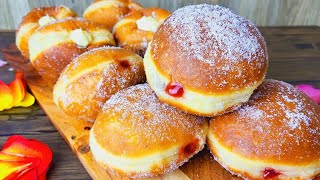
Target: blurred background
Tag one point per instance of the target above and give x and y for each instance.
(261, 12)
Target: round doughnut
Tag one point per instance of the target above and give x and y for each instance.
(206, 60)
(109, 12)
(138, 136)
(95, 76)
(36, 18)
(136, 30)
(54, 45)
(274, 135)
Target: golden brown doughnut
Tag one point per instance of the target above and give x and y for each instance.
(274, 135)
(36, 18)
(53, 46)
(109, 12)
(138, 136)
(136, 30)
(206, 60)
(91, 78)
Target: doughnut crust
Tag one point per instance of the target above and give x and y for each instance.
(217, 57)
(138, 136)
(30, 23)
(129, 36)
(91, 78)
(275, 134)
(109, 12)
(52, 47)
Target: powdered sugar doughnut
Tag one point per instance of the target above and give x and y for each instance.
(91, 78)
(206, 60)
(138, 136)
(136, 30)
(274, 135)
(54, 45)
(36, 18)
(109, 12)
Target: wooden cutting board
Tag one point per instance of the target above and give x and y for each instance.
(76, 132)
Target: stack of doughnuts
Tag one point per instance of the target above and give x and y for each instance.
(207, 61)
(205, 69)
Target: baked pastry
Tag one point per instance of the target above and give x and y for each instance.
(54, 45)
(138, 136)
(91, 78)
(206, 60)
(109, 12)
(136, 30)
(274, 135)
(36, 18)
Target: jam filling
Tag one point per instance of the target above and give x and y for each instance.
(175, 89)
(270, 173)
(189, 149)
(124, 63)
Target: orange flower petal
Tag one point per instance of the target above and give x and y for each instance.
(12, 157)
(14, 169)
(28, 100)
(20, 75)
(6, 97)
(19, 145)
(18, 91)
(18, 167)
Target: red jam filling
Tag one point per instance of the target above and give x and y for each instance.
(124, 63)
(270, 173)
(175, 89)
(189, 149)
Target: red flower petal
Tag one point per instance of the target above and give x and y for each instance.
(29, 175)
(18, 145)
(312, 92)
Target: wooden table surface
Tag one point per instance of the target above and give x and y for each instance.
(294, 54)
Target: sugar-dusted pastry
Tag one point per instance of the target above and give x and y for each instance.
(36, 18)
(275, 135)
(206, 60)
(136, 30)
(53, 46)
(138, 136)
(109, 12)
(91, 78)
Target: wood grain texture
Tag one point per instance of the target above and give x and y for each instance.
(294, 57)
(263, 13)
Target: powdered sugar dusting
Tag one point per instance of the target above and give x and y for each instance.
(288, 101)
(139, 106)
(281, 114)
(208, 33)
